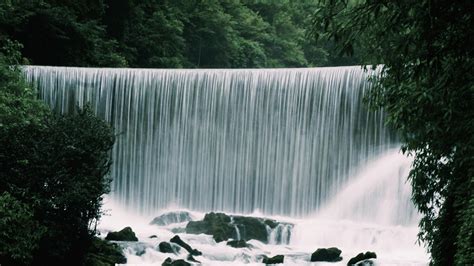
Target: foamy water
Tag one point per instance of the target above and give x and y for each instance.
(367, 215)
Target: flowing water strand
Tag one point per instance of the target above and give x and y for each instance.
(278, 141)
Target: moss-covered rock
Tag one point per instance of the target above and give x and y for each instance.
(238, 244)
(179, 241)
(222, 227)
(361, 257)
(170, 262)
(215, 224)
(273, 260)
(251, 228)
(125, 234)
(327, 254)
(103, 253)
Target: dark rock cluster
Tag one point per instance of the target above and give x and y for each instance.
(223, 227)
(362, 257)
(327, 254)
(125, 234)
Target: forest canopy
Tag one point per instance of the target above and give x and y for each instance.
(166, 34)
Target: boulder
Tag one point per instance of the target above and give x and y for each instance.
(251, 228)
(177, 240)
(361, 257)
(238, 244)
(125, 234)
(222, 227)
(215, 224)
(273, 260)
(171, 218)
(165, 247)
(327, 254)
(170, 262)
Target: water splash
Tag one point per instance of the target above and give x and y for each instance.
(280, 235)
(379, 194)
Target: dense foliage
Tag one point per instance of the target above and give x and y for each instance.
(52, 175)
(52, 167)
(427, 89)
(163, 34)
(20, 233)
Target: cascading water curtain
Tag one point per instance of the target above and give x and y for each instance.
(280, 141)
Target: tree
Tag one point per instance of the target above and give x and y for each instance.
(426, 88)
(59, 32)
(164, 34)
(53, 172)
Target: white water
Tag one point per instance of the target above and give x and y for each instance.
(394, 243)
(296, 143)
(281, 141)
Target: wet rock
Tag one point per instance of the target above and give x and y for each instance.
(125, 234)
(165, 247)
(171, 218)
(251, 228)
(179, 241)
(273, 260)
(222, 227)
(271, 223)
(215, 224)
(327, 254)
(170, 262)
(238, 244)
(191, 258)
(368, 262)
(362, 257)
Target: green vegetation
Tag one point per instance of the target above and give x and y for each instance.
(427, 89)
(166, 34)
(103, 253)
(54, 167)
(53, 174)
(20, 233)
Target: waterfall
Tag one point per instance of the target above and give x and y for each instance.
(379, 194)
(237, 232)
(277, 141)
(280, 234)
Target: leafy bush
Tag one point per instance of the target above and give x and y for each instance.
(55, 168)
(19, 232)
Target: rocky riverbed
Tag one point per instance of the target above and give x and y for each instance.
(191, 238)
